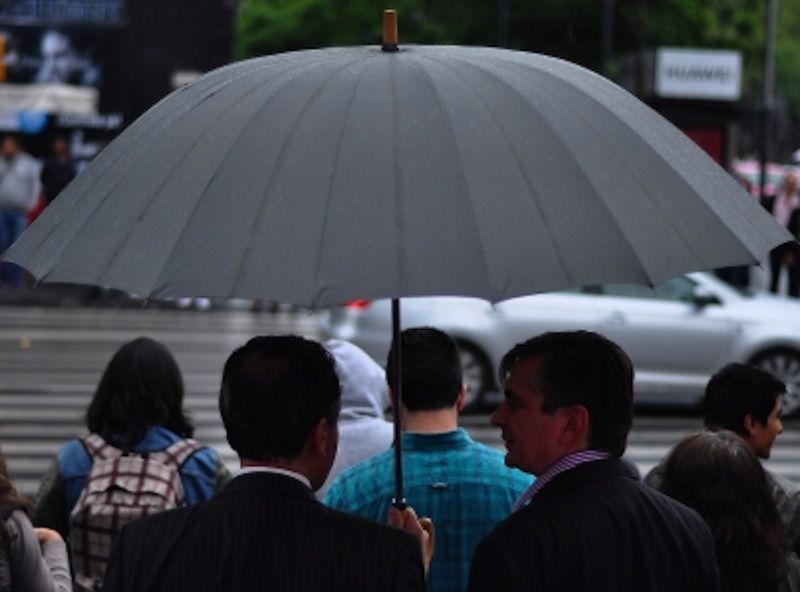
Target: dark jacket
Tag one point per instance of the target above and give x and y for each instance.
(597, 527)
(263, 532)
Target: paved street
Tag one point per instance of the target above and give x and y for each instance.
(52, 358)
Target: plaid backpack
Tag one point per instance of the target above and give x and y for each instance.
(121, 487)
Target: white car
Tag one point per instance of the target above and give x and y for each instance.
(677, 334)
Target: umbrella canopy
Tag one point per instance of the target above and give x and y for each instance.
(320, 176)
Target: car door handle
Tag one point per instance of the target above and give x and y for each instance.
(616, 318)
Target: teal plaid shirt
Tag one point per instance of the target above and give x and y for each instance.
(461, 484)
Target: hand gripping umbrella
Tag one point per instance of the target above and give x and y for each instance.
(317, 177)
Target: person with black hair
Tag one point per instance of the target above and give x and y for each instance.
(19, 191)
(136, 413)
(784, 208)
(461, 484)
(279, 401)
(31, 559)
(58, 170)
(747, 401)
(587, 523)
(719, 475)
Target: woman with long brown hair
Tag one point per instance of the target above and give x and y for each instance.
(137, 424)
(31, 559)
(719, 475)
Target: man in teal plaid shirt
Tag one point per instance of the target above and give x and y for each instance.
(461, 484)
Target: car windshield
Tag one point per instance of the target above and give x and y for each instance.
(680, 289)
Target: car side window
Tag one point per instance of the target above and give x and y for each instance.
(680, 289)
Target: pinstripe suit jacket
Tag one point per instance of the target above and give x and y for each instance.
(598, 528)
(263, 532)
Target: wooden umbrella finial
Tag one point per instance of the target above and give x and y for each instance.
(389, 30)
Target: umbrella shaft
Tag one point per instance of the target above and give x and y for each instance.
(399, 500)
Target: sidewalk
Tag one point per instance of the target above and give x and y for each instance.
(68, 295)
(75, 296)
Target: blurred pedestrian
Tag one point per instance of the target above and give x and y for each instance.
(587, 523)
(461, 484)
(31, 559)
(19, 192)
(782, 206)
(737, 275)
(363, 429)
(747, 401)
(719, 475)
(138, 458)
(58, 170)
(279, 402)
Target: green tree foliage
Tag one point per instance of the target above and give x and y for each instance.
(273, 26)
(711, 24)
(787, 59)
(571, 29)
(269, 26)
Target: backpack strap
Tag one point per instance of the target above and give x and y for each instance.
(97, 448)
(179, 452)
(175, 454)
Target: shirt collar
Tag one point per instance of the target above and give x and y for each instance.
(442, 441)
(275, 471)
(565, 463)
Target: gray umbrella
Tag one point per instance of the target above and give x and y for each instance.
(320, 176)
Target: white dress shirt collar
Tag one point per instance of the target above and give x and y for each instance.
(275, 471)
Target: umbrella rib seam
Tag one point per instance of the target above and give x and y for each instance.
(214, 89)
(610, 148)
(282, 154)
(210, 182)
(123, 156)
(517, 160)
(461, 169)
(329, 192)
(491, 74)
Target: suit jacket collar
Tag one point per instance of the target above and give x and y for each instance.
(269, 483)
(590, 472)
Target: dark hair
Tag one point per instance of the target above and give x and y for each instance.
(141, 387)
(736, 391)
(274, 391)
(431, 369)
(719, 475)
(583, 368)
(9, 496)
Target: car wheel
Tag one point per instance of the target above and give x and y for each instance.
(477, 374)
(785, 365)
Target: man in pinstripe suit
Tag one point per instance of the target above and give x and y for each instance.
(279, 402)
